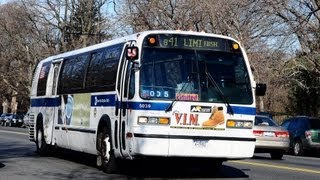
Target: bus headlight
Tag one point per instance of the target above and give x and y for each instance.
(153, 120)
(239, 124)
(142, 120)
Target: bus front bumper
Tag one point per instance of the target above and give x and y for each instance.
(193, 146)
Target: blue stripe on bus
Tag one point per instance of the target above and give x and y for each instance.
(163, 106)
(103, 100)
(96, 100)
(148, 106)
(47, 102)
(243, 110)
(110, 100)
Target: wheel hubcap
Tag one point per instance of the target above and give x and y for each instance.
(296, 148)
(107, 149)
(39, 139)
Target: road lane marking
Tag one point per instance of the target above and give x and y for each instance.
(277, 166)
(14, 132)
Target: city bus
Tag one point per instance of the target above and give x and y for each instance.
(151, 94)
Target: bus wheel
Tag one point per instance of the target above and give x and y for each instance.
(42, 146)
(106, 159)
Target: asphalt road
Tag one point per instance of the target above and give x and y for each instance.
(19, 160)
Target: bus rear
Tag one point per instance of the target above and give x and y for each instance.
(194, 97)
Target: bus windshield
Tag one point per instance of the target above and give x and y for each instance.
(182, 74)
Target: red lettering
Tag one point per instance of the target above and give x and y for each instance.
(178, 117)
(194, 119)
(185, 119)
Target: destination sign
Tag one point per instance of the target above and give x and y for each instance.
(188, 41)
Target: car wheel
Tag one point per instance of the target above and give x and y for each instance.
(106, 159)
(276, 155)
(42, 147)
(298, 148)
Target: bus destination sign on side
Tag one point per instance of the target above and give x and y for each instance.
(181, 41)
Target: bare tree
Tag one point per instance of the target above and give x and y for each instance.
(16, 55)
(300, 19)
(68, 24)
(165, 14)
(34, 29)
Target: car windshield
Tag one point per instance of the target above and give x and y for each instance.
(185, 74)
(315, 123)
(264, 121)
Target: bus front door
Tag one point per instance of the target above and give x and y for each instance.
(59, 136)
(121, 123)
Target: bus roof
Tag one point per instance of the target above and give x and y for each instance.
(136, 36)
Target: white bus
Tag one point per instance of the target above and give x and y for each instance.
(151, 94)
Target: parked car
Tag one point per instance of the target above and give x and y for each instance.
(14, 120)
(3, 118)
(304, 134)
(270, 137)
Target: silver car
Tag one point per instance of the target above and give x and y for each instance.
(270, 137)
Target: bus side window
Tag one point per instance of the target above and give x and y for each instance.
(43, 77)
(93, 70)
(73, 72)
(101, 75)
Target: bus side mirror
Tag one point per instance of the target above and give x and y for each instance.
(261, 89)
(132, 53)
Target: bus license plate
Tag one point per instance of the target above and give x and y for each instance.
(200, 143)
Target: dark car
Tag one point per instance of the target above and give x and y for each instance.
(3, 118)
(304, 134)
(270, 137)
(14, 120)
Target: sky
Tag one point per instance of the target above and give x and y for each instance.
(2, 1)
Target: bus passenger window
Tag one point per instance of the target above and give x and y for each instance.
(102, 70)
(72, 75)
(43, 77)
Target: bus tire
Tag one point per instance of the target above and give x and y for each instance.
(42, 146)
(106, 159)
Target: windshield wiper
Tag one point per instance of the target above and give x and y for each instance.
(184, 86)
(170, 105)
(220, 92)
